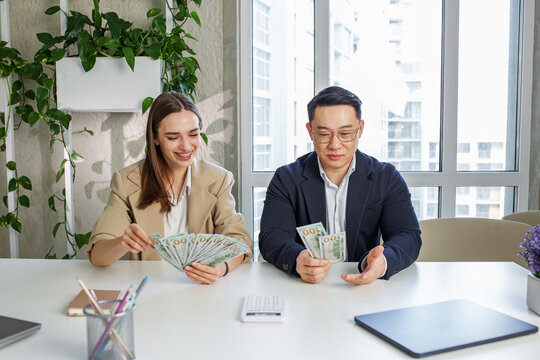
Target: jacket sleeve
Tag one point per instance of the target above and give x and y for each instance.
(399, 226)
(278, 226)
(226, 220)
(116, 216)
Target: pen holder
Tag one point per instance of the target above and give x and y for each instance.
(109, 335)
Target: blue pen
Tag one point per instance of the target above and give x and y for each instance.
(141, 285)
(129, 305)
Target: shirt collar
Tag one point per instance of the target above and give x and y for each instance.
(352, 167)
(187, 183)
(186, 189)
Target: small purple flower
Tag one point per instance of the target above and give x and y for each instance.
(531, 250)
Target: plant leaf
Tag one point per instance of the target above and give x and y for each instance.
(103, 40)
(89, 63)
(47, 81)
(17, 85)
(44, 37)
(64, 118)
(96, 16)
(82, 239)
(55, 229)
(16, 224)
(54, 128)
(11, 165)
(147, 103)
(196, 18)
(76, 157)
(33, 117)
(4, 199)
(152, 12)
(154, 51)
(51, 203)
(52, 10)
(58, 54)
(130, 57)
(48, 255)
(204, 137)
(13, 184)
(24, 201)
(116, 25)
(61, 171)
(30, 94)
(25, 182)
(33, 70)
(41, 98)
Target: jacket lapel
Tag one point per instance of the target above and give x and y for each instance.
(357, 197)
(313, 191)
(200, 201)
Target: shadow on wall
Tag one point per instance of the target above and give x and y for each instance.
(127, 142)
(217, 114)
(126, 147)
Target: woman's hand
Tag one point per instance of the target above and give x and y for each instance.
(135, 239)
(204, 274)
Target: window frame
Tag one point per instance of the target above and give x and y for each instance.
(447, 178)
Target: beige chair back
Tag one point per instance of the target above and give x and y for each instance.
(531, 217)
(472, 239)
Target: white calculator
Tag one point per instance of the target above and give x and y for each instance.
(263, 308)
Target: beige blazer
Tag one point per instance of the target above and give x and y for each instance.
(211, 208)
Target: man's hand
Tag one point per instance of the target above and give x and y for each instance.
(376, 264)
(311, 270)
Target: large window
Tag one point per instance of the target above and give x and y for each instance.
(445, 87)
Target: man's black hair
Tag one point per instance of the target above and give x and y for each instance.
(335, 95)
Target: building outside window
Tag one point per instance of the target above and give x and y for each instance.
(451, 136)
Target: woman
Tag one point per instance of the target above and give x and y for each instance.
(169, 192)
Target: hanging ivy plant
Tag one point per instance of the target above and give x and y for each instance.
(12, 64)
(88, 37)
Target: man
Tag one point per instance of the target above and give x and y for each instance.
(344, 189)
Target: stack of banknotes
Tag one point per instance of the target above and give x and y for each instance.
(321, 245)
(207, 249)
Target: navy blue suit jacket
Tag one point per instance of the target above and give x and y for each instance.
(378, 203)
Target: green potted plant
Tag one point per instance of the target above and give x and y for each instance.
(531, 254)
(128, 64)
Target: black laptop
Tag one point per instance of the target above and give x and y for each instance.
(14, 329)
(440, 327)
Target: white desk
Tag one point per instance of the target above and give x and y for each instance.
(178, 318)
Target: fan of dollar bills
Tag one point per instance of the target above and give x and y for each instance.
(207, 249)
(321, 245)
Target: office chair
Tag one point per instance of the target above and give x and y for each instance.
(531, 217)
(472, 239)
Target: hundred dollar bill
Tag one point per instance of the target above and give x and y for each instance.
(202, 241)
(332, 247)
(162, 250)
(216, 251)
(233, 250)
(178, 244)
(191, 248)
(310, 237)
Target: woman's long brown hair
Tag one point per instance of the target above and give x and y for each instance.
(154, 168)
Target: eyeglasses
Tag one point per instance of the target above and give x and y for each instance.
(324, 137)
